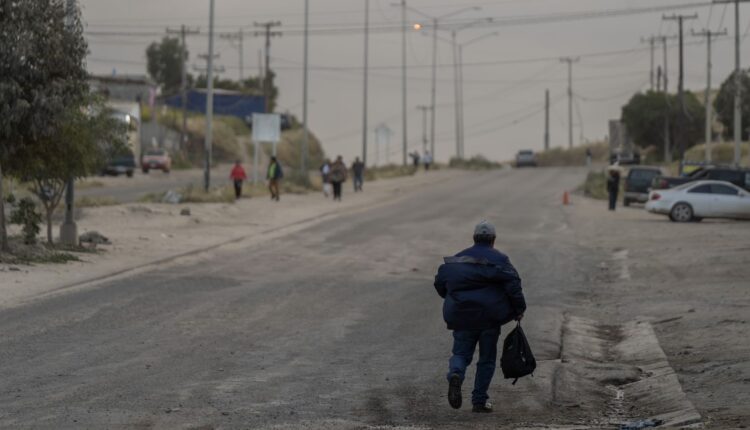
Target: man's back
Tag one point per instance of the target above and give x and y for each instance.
(481, 289)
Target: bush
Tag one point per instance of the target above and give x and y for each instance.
(477, 162)
(576, 156)
(27, 216)
(595, 185)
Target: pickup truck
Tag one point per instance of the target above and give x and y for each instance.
(739, 177)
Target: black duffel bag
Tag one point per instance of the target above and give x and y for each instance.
(517, 360)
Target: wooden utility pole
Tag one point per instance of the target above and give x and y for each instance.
(238, 36)
(709, 35)
(268, 33)
(570, 62)
(682, 118)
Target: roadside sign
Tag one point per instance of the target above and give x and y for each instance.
(266, 127)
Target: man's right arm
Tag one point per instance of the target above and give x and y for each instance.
(510, 280)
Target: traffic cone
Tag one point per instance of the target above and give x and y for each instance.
(566, 198)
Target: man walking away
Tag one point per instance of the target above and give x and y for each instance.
(482, 291)
(238, 175)
(338, 177)
(427, 160)
(613, 186)
(358, 171)
(274, 177)
(415, 159)
(325, 173)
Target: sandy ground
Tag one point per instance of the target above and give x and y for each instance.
(693, 282)
(146, 233)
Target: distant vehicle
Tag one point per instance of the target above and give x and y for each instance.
(156, 159)
(738, 177)
(638, 183)
(525, 158)
(621, 148)
(701, 199)
(123, 164)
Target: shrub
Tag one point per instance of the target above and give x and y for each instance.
(29, 218)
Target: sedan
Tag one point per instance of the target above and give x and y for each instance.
(701, 199)
(156, 159)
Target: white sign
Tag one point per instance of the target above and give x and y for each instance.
(266, 127)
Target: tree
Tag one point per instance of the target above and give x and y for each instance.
(82, 145)
(42, 75)
(645, 116)
(724, 105)
(165, 63)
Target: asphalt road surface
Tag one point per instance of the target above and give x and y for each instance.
(129, 190)
(336, 326)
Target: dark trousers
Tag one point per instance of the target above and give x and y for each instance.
(358, 181)
(273, 186)
(464, 344)
(336, 190)
(612, 200)
(237, 189)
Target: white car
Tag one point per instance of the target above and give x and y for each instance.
(700, 199)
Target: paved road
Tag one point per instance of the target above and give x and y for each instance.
(129, 190)
(332, 327)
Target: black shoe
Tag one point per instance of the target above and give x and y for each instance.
(454, 391)
(482, 408)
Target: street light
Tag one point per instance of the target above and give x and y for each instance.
(461, 80)
(435, 21)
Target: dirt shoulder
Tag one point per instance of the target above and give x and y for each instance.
(691, 280)
(147, 234)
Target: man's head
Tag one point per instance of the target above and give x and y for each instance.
(273, 159)
(484, 234)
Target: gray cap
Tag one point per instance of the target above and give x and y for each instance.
(484, 228)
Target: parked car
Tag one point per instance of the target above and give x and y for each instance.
(119, 165)
(638, 184)
(701, 199)
(156, 159)
(738, 177)
(525, 158)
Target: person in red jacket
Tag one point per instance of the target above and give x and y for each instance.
(238, 176)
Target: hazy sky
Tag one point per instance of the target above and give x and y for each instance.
(504, 93)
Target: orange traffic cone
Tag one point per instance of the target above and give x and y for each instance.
(566, 198)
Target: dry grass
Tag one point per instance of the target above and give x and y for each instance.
(575, 156)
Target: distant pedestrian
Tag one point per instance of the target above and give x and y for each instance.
(613, 186)
(238, 175)
(338, 177)
(274, 176)
(427, 160)
(415, 159)
(588, 157)
(325, 173)
(482, 291)
(358, 171)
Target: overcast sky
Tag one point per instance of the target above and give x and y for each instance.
(504, 93)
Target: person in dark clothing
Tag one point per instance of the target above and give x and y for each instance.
(274, 176)
(415, 159)
(338, 177)
(358, 171)
(613, 187)
(237, 176)
(482, 291)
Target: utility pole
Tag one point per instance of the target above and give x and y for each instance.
(364, 98)
(268, 33)
(681, 143)
(546, 120)
(183, 32)
(456, 96)
(424, 110)
(652, 43)
(433, 90)
(69, 229)
(708, 34)
(239, 36)
(305, 132)
(209, 99)
(570, 62)
(403, 80)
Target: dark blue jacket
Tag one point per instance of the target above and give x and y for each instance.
(481, 289)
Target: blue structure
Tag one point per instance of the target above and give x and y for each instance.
(225, 103)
